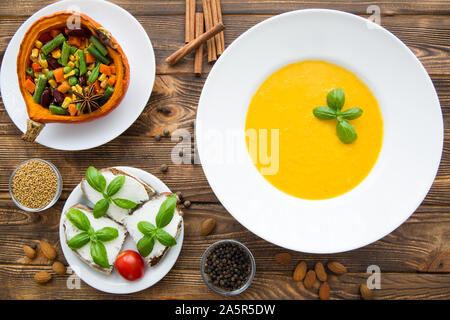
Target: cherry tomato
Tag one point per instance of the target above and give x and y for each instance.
(130, 265)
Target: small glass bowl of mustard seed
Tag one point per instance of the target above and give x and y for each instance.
(35, 185)
(227, 267)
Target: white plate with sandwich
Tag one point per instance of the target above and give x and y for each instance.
(140, 187)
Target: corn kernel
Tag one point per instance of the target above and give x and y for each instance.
(66, 102)
(104, 83)
(102, 77)
(71, 64)
(34, 59)
(43, 63)
(38, 44)
(74, 97)
(68, 75)
(56, 53)
(34, 53)
(45, 71)
(91, 66)
(78, 89)
(52, 83)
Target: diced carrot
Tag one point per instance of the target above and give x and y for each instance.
(89, 58)
(45, 37)
(75, 41)
(101, 91)
(29, 78)
(113, 69)
(36, 67)
(29, 85)
(64, 87)
(112, 80)
(54, 32)
(105, 69)
(82, 43)
(59, 74)
(97, 85)
(72, 109)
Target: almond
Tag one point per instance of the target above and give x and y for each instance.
(310, 278)
(29, 252)
(42, 277)
(324, 291)
(283, 258)
(320, 272)
(336, 268)
(366, 293)
(59, 268)
(300, 271)
(207, 226)
(48, 250)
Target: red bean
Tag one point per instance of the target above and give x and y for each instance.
(45, 98)
(58, 97)
(52, 63)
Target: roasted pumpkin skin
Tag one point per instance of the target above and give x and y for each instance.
(58, 20)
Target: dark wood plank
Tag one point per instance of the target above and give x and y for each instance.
(429, 42)
(419, 245)
(17, 283)
(23, 7)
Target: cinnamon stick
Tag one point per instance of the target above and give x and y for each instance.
(211, 45)
(189, 21)
(198, 60)
(219, 16)
(215, 20)
(194, 44)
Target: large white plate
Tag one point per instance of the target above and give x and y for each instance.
(409, 158)
(134, 41)
(114, 283)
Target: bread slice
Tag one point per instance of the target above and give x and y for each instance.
(134, 189)
(148, 212)
(113, 247)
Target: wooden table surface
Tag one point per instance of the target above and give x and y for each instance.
(414, 259)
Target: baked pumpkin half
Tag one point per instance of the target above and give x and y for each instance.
(70, 70)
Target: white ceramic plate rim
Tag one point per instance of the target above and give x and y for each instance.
(105, 128)
(114, 283)
(230, 197)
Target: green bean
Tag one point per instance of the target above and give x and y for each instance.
(94, 73)
(73, 81)
(53, 44)
(92, 50)
(83, 68)
(108, 93)
(65, 53)
(58, 110)
(30, 71)
(40, 86)
(73, 49)
(44, 56)
(100, 47)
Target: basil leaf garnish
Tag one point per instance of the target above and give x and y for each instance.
(165, 238)
(107, 234)
(166, 211)
(78, 219)
(351, 114)
(79, 241)
(145, 245)
(95, 179)
(336, 99)
(115, 185)
(124, 203)
(99, 255)
(146, 228)
(346, 132)
(100, 208)
(324, 113)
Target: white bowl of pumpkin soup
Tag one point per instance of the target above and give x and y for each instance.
(319, 131)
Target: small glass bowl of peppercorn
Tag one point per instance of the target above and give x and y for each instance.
(228, 267)
(35, 185)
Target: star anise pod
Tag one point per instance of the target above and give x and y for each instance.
(87, 100)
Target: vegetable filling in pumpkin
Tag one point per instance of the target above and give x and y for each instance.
(70, 72)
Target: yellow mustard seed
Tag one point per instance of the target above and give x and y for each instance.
(34, 184)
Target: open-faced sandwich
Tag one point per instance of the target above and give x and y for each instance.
(155, 226)
(114, 192)
(69, 72)
(97, 241)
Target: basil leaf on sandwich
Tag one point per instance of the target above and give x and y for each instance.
(79, 241)
(101, 207)
(107, 234)
(78, 219)
(95, 179)
(124, 203)
(99, 255)
(165, 238)
(166, 211)
(145, 245)
(147, 228)
(115, 185)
